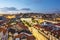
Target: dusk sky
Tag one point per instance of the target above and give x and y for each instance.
(37, 5)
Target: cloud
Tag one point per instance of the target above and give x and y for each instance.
(13, 10)
(26, 9)
(8, 9)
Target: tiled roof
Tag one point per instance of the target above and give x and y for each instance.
(22, 26)
(28, 37)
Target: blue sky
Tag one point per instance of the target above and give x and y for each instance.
(37, 5)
